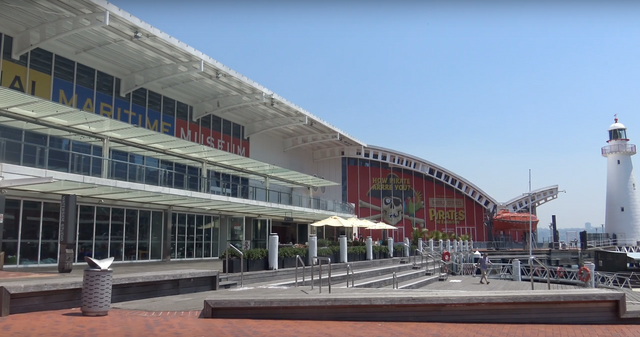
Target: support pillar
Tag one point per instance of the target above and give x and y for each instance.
(592, 271)
(273, 251)
(390, 246)
(343, 248)
(313, 248)
(515, 270)
(369, 244)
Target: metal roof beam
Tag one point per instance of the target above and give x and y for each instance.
(295, 142)
(268, 125)
(220, 105)
(147, 76)
(33, 38)
(24, 182)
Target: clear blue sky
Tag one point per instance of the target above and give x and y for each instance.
(487, 90)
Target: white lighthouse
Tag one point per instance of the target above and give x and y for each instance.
(623, 204)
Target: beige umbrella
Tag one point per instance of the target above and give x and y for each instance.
(381, 225)
(333, 221)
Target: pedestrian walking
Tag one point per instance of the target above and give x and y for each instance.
(484, 265)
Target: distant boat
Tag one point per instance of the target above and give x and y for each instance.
(506, 221)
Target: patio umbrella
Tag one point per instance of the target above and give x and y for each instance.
(381, 225)
(333, 221)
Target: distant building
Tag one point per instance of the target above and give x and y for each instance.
(587, 226)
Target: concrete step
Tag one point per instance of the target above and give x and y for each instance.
(339, 278)
(386, 280)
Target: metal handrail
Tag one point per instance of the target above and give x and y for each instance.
(298, 258)
(352, 276)
(546, 271)
(395, 281)
(241, 262)
(320, 259)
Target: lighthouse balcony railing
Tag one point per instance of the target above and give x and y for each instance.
(618, 148)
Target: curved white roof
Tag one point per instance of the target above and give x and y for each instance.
(616, 126)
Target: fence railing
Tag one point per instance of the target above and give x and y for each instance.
(151, 171)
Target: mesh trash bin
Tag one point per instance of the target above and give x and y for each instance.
(96, 288)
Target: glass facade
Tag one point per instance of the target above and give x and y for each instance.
(194, 236)
(31, 229)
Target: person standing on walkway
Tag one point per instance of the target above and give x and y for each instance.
(484, 265)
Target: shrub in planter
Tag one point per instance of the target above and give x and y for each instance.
(256, 259)
(287, 257)
(356, 253)
(234, 262)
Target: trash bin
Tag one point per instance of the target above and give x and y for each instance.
(97, 283)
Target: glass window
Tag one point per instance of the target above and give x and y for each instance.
(181, 237)
(140, 97)
(206, 235)
(194, 178)
(236, 132)
(85, 76)
(105, 84)
(168, 106)
(119, 165)
(166, 173)
(96, 161)
(155, 101)
(85, 232)
(179, 179)
(64, 69)
(226, 127)
(199, 236)
(136, 168)
(205, 122)
(103, 214)
(58, 160)
(191, 236)
(156, 235)
(41, 60)
(34, 155)
(152, 174)
(116, 242)
(182, 111)
(6, 52)
(11, 230)
(10, 147)
(131, 235)
(144, 229)
(216, 124)
(30, 232)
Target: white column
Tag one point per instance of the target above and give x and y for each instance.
(516, 273)
(313, 248)
(390, 246)
(369, 244)
(592, 271)
(273, 251)
(343, 248)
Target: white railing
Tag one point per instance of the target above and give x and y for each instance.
(618, 148)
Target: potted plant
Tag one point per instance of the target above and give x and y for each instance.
(256, 259)
(234, 262)
(287, 257)
(356, 253)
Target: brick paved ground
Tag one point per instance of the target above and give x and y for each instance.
(140, 323)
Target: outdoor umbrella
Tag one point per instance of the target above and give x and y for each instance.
(381, 225)
(333, 221)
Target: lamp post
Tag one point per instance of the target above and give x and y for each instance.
(530, 235)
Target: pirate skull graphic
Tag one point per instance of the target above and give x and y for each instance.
(392, 192)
